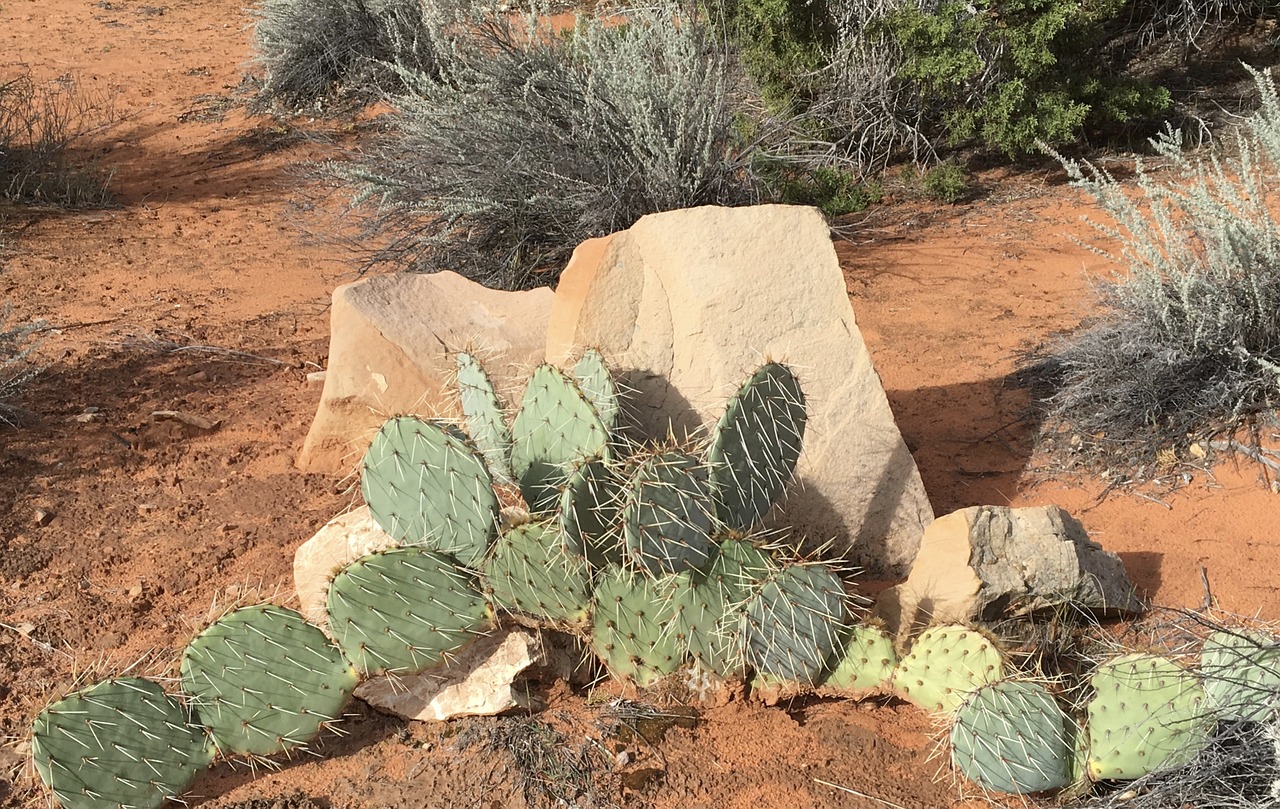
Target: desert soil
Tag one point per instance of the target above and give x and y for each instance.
(148, 525)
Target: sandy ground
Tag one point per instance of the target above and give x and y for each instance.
(154, 522)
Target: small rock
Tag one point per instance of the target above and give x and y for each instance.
(146, 508)
(315, 379)
(43, 516)
(135, 592)
(87, 417)
(199, 422)
(198, 376)
(980, 563)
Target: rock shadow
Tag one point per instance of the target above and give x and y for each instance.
(1145, 569)
(971, 441)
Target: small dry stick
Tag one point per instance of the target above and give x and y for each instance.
(859, 794)
(1255, 453)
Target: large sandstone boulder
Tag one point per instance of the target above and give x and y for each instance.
(391, 345)
(686, 304)
(985, 562)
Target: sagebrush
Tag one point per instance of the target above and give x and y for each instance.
(1186, 340)
(327, 56)
(526, 141)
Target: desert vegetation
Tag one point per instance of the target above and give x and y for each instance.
(491, 141)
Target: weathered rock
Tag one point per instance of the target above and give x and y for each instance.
(479, 680)
(687, 303)
(340, 542)
(391, 345)
(983, 562)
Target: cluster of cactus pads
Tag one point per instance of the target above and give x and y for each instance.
(652, 555)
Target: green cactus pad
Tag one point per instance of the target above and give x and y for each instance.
(867, 663)
(1013, 737)
(756, 444)
(739, 569)
(590, 506)
(707, 626)
(264, 680)
(1241, 674)
(555, 428)
(633, 630)
(119, 744)
(667, 520)
(483, 412)
(403, 610)
(945, 665)
(530, 572)
(1147, 714)
(794, 623)
(426, 486)
(597, 384)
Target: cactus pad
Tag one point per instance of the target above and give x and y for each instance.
(426, 486)
(555, 428)
(530, 572)
(632, 626)
(707, 627)
(794, 623)
(119, 744)
(756, 444)
(483, 413)
(739, 569)
(867, 663)
(590, 505)
(667, 519)
(1148, 713)
(403, 610)
(945, 665)
(597, 385)
(1241, 674)
(1013, 737)
(264, 680)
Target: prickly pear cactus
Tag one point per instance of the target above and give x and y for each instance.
(755, 446)
(597, 384)
(1012, 736)
(667, 520)
(556, 427)
(404, 609)
(945, 665)
(739, 570)
(119, 744)
(1241, 674)
(1148, 713)
(483, 413)
(633, 631)
(590, 508)
(426, 486)
(264, 680)
(794, 623)
(707, 626)
(530, 572)
(867, 663)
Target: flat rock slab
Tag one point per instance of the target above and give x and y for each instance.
(986, 562)
(686, 304)
(391, 345)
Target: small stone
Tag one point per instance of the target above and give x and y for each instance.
(315, 379)
(135, 592)
(43, 516)
(87, 417)
(146, 508)
(198, 376)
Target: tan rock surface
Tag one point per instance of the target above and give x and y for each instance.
(391, 345)
(480, 680)
(687, 303)
(983, 562)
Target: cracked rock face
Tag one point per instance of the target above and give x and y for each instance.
(984, 562)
